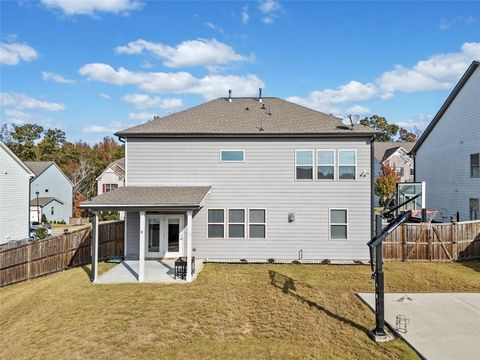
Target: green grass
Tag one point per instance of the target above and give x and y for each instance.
(229, 312)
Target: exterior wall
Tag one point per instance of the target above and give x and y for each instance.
(443, 160)
(35, 212)
(108, 177)
(14, 199)
(58, 187)
(265, 180)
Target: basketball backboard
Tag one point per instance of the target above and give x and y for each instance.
(406, 191)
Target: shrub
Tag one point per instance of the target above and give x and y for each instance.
(296, 262)
(44, 219)
(41, 233)
(244, 261)
(271, 261)
(326, 262)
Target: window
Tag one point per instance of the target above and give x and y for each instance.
(474, 209)
(216, 223)
(236, 223)
(347, 164)
(257, 221)
(232, 155)
(475, 165)
(52, 211)
(326, 164)
(109, 187)
(339, 224)
(399, 171)
(304, 164)
(412, 171)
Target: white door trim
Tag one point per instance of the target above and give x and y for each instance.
(163, 234)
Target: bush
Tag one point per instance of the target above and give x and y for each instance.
(271, 261)
(326, 262)
(109, 215)
(44, 219)
(243, 261)
(296, 262)
(41, 233)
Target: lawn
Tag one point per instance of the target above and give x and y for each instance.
(229, 312)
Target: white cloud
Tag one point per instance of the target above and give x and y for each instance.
(188, 53)
(143, 101)
(105, 96)
(270, 9)
(142, 116)
(245, 15)
(15, 116)
(214, 27)
(358, 110)
(112, 127)
(56, 78)
(446, 24)
(13, 53)
(267, 20)
(209, 87)
(91, 7)
(419, 121)
(22, 101)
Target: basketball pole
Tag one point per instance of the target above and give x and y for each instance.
(379, 331)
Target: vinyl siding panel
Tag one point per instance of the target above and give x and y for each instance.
(14, 199)
(265, 180)
(443, 160)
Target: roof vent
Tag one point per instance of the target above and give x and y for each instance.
(229, 95)
(263, 107)
(260, 95)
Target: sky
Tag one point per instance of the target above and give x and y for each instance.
(92, 68)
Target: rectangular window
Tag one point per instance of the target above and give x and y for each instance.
(475, 165)
(304, 164)
(339, 224)
(232, 155)
(257, 222)
(236, 223)
(326, 164)
(412, 172)
(399, 171)
(347, 164)
(474, 209)
(216, 223)
(52, 211)
(109, 187)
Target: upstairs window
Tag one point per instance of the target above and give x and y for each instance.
(304, 164)
(347, 164)
(109, 187)
(52, 211)
(475, 165)
(399, 171)
(216, 223)
(232, 155)
(338, 224)
(326, 164)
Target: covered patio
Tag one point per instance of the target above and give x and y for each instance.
(164, 231)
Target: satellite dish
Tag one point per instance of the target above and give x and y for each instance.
(350, 120)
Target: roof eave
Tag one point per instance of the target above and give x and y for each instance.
(243, 135)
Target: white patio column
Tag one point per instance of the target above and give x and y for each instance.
(189, 245)
(94, 244)
(141, 254)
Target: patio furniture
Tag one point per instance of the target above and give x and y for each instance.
(181, 267)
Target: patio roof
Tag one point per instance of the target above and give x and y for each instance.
(149, 197)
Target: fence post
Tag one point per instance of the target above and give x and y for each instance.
(29, 260)
(454, 236)
(402, 243)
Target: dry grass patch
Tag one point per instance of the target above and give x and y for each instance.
(230, 311)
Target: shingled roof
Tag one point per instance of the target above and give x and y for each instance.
(38, 167)
(383, 150)
(246, 117)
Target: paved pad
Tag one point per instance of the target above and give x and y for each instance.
(441, 325)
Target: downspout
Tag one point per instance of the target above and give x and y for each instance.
(372, 178)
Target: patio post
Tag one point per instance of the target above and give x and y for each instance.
(141, 254)
(94, 245)
(189, 245)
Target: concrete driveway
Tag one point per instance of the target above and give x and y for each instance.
(441, 325)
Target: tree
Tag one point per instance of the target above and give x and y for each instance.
(49, 148)
(406, 136)
(387, 132)
(24, 138)
(386, 183)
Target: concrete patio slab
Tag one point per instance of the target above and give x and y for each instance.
(156, 271)
(441, 325)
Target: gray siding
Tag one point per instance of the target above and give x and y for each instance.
(58, 187)
(132, 222)
(265, 180)
(14, 199)
(443, 160)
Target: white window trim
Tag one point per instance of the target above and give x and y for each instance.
(313, 164)
(232, 161)
(471, 166)
(343, 224)
(245, 215)
(224, 221)
(338, 165)
(317, 164)
(470, 211)
(254, 223)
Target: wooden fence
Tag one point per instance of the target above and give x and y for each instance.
(59, 253)
(434, 242)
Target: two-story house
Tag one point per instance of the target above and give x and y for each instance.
(112, 177)
(14, 196)
(245, 178)
(50, 192)
(447, 155)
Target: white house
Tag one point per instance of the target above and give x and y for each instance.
(14, 196)
(112, 177)
(447, 155)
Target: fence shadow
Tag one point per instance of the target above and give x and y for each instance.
(287, 285)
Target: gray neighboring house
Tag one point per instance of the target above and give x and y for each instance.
(245, 178)
(55, 192)
(14, 196)
(397, 155)
(447, 155)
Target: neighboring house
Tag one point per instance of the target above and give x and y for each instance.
(14, 196)
(447, 155)
(112, 177)
(397, 155)
(44, 205)
(54, 187)
(245, 178)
